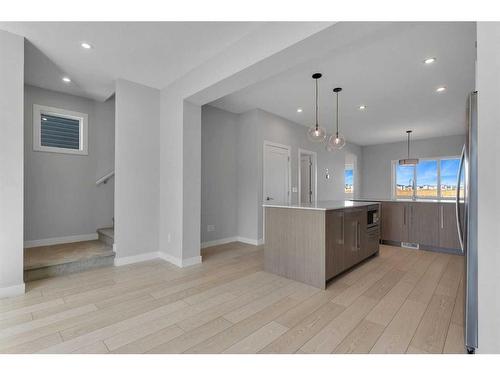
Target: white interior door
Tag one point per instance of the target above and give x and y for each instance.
(306, 178)
(276, 174)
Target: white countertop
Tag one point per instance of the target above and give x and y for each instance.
(322, 205)
(405, 200)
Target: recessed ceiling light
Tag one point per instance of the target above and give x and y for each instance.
(66, 79)
(441, 89)
(85, 45)
(362, 107)
(299, 110)
(430, 60)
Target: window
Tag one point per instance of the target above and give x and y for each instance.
(432, 178)
(349, 179)
(59, 130)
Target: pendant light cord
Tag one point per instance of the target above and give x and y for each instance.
(317, 104)
(338, 117)
(408, 143)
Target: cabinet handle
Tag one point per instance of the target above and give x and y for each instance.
(442, 218)
(404, 215)
(343, 234)
(358, 235)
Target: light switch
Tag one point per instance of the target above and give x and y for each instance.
(294, 189)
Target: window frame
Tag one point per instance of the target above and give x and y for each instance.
(38, 110)
(394, 164)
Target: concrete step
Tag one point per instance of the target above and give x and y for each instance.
(107, 235)
(57, 260)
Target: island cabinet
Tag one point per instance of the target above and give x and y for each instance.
(313, 245)
(431, 225)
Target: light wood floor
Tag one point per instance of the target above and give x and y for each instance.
(401, 301)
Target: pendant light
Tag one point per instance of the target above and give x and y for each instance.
(315, 133)
(336, 141)
(408, 160)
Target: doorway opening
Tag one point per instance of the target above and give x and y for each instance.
(308, 176)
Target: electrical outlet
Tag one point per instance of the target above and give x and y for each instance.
(210, 228)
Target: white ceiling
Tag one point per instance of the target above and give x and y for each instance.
(153, 53)
(386, 73)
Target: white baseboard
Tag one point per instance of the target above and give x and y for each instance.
(223, 241)
(251, 241)
(59, 240)
(180, 262)
(122, 261)
(12, 291)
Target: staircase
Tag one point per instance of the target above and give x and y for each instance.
(56, 260)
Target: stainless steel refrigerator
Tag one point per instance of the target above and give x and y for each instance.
(466, 206)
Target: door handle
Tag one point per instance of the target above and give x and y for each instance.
(442, 218)
(269, 199)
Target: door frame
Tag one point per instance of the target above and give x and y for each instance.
(278, 145)
(314, 158)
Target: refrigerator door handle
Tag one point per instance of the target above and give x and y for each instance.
(457, 202)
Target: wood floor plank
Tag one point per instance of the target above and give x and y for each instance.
(431, 332)
(257, 340)
(191, 338)
(298, 335)
(361, 339)
(244, 328)
(454, 343)
(135, 333)
(148, 342)
(398, 334)
(295, 315)
(336, 331)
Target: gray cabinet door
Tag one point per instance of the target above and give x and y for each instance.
(394, 221)
(353, 219)
(448, 233)
(424, 223)
(334, 243)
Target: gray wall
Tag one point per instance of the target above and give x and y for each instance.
(232, 169)
(376, 171)
(61, 198)
(11, 164)
(137, 169)
(219, 167)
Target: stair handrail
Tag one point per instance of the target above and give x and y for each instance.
(105, 178)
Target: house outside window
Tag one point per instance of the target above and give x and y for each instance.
(349, 179)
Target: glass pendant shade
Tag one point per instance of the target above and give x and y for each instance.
(316, 134)
(335, 142)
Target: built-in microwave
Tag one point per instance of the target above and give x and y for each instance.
(372, 217)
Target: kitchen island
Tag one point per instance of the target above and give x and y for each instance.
(313, 243)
